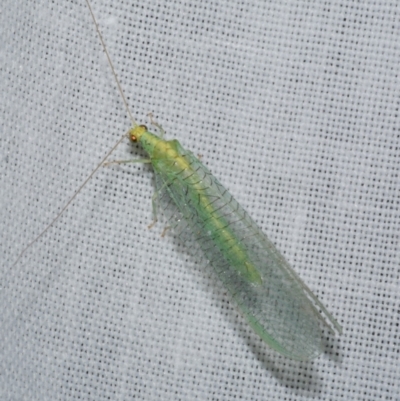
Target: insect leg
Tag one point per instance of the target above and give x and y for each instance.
(154, 204)
(127, 161)
(157, 125)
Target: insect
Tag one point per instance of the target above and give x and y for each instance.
(280, 308)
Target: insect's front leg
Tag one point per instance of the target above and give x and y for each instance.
(157, 125)
(126, 161)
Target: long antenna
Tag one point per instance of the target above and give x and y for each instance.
(71, 199)
(135, 124)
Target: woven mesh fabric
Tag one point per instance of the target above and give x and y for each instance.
(294, 106)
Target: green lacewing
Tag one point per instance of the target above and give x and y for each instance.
(276, 303)
(280, 308)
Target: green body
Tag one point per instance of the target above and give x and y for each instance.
(276, 303)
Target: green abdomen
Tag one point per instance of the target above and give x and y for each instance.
(207, 207)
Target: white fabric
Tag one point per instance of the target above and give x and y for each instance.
(294, 106)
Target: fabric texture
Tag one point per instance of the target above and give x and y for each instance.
(294, 107)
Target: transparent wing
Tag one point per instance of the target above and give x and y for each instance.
(281, 308)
